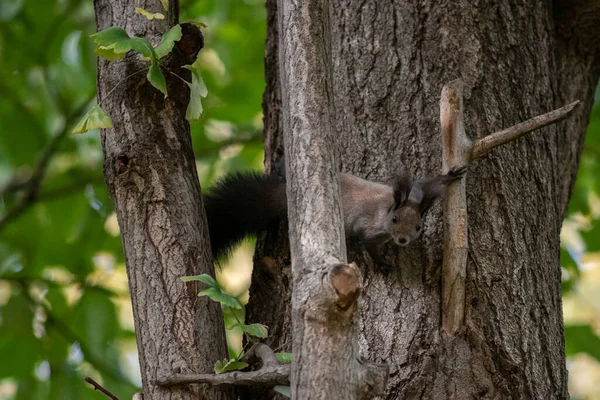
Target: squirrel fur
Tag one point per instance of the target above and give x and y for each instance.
(246, 204)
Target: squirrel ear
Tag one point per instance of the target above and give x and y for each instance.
(402, 186)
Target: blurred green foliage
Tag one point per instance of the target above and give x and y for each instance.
(64, 308)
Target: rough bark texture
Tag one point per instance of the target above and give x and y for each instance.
(326, 290)
(518, 60)
(151, 176)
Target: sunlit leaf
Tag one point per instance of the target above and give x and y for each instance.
(197, 90)
(258, 330)
(114, 43)
(168, 41)
(95, 118)
(148, 14)
(223, 298)
(228, 365)
(204, 278)
(156, 78)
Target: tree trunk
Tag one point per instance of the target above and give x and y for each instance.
(517, 60)
(326, 289)
(151, 176)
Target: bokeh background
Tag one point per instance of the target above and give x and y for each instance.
(64, 306)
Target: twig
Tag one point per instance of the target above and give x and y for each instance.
(100, 388)
(458, 151)
(485, 144)
(271, 372)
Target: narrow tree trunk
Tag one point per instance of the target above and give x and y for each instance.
(151, 176)
(326, 363)
(517, 60)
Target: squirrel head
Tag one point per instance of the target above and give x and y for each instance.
(412, 199)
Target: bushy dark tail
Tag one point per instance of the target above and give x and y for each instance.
(240, 205)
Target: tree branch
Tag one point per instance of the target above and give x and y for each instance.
(266, 376)
(100, 388)
(459, 151)
(271, 373)
(485, 144)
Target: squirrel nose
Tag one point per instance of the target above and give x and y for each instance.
(403, 241)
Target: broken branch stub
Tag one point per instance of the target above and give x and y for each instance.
(457, 151)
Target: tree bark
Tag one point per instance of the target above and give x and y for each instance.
(326, 289)
(150, 173)
(518, 60)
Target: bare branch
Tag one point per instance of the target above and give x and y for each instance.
(271, 373)
(266, 376)
(458, 151)
(260, 352)
(100, 388)
(456, 148)
(485, 144)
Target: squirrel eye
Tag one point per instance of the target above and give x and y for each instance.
(394, 220)
(418, 227)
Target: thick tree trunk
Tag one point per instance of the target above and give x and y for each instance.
(517, 60)
(151, 175)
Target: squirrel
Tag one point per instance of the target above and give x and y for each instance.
(248, 203)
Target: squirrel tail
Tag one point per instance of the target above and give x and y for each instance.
(240, 205)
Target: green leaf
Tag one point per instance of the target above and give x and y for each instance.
(168, 41)
(229, 365)
(142, 46)
(95, 118)
(198, 89)
(223, 298)
(284, 358)
(156, 78)
(204, 278)
(582, 339)
(113, 43)
(284, 390)
(258, 330)
(148, 14)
